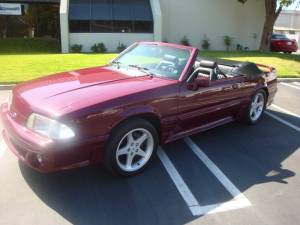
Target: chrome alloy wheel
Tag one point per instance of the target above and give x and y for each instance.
(257, 106)
(134, 150)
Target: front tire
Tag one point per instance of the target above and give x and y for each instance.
(131, 147)
(256, 107)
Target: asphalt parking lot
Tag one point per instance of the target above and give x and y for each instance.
(234, 174)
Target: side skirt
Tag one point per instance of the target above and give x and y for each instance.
(200, 129)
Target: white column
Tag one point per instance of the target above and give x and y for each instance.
(293, 14)
(157, 17)
(64, 25)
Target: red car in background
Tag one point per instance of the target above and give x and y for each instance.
(280, 43)
(151, 94)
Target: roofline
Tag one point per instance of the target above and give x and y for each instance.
(29, 1)
(189, 48)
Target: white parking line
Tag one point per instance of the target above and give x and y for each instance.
(285, 111)
(297, 83)
(181, 186)
(283, 121)
(238, 201)
(3, 147)
(290, 85)
(213, 168)
(223, 207)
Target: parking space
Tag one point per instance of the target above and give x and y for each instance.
(234, 174)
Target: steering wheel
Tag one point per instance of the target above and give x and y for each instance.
(166, 66)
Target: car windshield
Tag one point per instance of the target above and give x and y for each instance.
(156, 60)
(279, 36)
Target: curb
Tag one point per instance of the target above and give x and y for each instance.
(288, 80)
(6, 86)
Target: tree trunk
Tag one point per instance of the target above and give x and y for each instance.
(265, 42)
(272, 14)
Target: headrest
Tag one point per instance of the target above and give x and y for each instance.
(204, 70)
(208, 64)
(171, 58)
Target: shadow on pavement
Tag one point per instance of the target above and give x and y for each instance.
(251, 155)
(248, 155)
(93, 196)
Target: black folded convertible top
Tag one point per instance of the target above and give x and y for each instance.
(248, 69)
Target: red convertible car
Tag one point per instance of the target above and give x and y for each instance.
(152, 93)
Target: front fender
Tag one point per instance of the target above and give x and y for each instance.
(135, 111)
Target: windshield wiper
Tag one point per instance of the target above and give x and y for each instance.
(117, 63)
(143, 69)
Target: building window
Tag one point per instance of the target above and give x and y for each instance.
(101, 16)
(36, 20)
(108, 16)
(292, 32)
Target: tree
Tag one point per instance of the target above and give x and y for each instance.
(273, 9)
(29, 18)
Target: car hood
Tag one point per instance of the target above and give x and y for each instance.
(62, 93)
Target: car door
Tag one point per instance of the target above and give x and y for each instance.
(209, 106)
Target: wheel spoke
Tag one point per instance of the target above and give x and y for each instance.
(256, 112)
(129, 160)
(122, 151)
(251, 111)
(260, 104)
(256, 99)
(259, 109)
(141, 139)
(130, 138)
(141, 153)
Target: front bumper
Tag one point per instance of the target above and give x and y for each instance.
(44, 154)
(285, 48)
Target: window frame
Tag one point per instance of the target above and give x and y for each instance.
(113, 27)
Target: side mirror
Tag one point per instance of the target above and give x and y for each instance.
(202, 81)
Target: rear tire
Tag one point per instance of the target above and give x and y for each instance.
(131, 147)
(256, 107)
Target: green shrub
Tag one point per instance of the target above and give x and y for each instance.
(94, 48)
(185, 41)
(205, 43)
(76, 48)
(121, 47)
(98, 48)
(227, 41)
(102, 48)
(239, 47)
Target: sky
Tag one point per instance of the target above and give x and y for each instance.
(293, 7)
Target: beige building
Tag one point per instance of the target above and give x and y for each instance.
(126, 21)
(288, 23)
(115, 22)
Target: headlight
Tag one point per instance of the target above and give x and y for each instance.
(49, 127)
